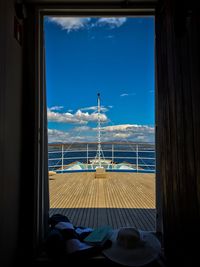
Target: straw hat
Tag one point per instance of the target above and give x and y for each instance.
(132, 247)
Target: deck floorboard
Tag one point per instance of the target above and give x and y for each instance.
(121, 199)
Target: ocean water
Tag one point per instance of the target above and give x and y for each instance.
(146, 156)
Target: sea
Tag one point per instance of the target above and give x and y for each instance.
(142, 155)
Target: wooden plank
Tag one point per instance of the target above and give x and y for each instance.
(122, 199)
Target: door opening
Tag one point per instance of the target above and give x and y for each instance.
(113, 56)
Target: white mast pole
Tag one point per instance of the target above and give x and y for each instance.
(99, 131)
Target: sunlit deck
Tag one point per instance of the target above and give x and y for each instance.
(121, 199)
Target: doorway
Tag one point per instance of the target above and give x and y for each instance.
(115, 54)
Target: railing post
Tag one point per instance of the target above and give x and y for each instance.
(87, 156)
(112, 155)
(137, 157)
(62, 157)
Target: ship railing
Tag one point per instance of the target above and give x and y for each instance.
(143, 159)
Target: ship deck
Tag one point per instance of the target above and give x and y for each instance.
(120, 199)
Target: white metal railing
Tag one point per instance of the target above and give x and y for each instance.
(60, 155)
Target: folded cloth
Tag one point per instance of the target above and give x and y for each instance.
(83, 232)
(63, 231)
(73, 244)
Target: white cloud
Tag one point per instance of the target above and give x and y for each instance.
(127, 94)
(70, 23)
(121, 135)
(57, 136)
(56, 108)
(94, 108)
(112, 22)
(124, 95)
(90, 117)
(123, 132)
(76, 23)
(62, 117)
(76, 134)
(82, 129)
(79, 117)
(120, 127)
(129, 132)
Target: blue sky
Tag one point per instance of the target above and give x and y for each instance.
(110, 56)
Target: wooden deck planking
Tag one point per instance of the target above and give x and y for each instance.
(121, 199)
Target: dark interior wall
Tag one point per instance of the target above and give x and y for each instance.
(10, 130)
(178, 130)
(178, 126)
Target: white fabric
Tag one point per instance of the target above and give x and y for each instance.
(83, 230)
(64, 225)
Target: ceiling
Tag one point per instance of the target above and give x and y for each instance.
(92, 1)
(138, 7)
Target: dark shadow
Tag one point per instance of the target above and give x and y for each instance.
(144, 219)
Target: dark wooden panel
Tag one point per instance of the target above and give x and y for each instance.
(178, 124)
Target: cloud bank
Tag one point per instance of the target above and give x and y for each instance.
(95, 108)
(56, 108)
(69, 23)
(127, 94)
(78, 118)
(111, 22)
(76, 23)
(122, 133)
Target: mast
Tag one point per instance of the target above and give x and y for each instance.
(99, 130)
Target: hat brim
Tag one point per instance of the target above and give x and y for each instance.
(138, 256)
